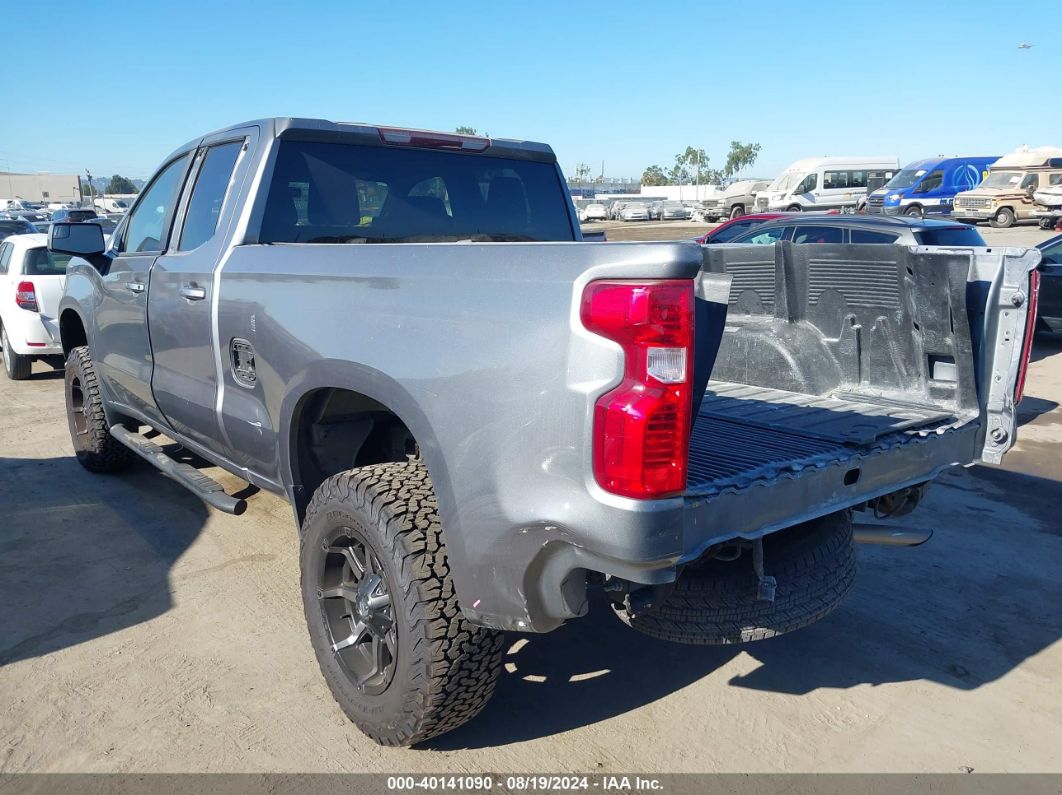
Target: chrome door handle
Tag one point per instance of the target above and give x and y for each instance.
(134, 287)
(193, 293)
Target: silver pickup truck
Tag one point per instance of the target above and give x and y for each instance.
(479, 419)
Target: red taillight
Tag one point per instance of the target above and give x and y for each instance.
(641, 428)
(1030, 331)
(26, 296)
(433, 140)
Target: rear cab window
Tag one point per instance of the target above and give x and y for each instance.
(355, 193)
(950, 236)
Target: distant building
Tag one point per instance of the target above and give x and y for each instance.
(40, 187)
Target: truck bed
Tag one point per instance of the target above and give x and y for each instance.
(748, 434)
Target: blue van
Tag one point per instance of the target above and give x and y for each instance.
(928, 187)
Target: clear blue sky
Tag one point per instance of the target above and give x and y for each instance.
(630, 84)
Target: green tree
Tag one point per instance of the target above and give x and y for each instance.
(654, 175)
(740, 156)
(120, 184)
(463, 130)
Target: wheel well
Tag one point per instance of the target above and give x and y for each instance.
(794, 208)
(334, 430)
(71, 330)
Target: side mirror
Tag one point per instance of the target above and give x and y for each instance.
(81, 240)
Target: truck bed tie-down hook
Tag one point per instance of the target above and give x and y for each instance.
(767, 584)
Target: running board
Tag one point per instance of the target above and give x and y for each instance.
(203, 486)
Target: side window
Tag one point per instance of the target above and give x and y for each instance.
(5, 256)
(809, 184)
(835, 179)
(732, 231)
(211, 185)
(931, 182)
(857, 179)
(818, 234)
(762, 236)
(146, 228)
(866, 236)
(1030, 182)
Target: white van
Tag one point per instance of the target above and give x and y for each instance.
(825, 183)
(106, 204)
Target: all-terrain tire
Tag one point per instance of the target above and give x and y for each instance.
(17, 367)
(445, 668)
(715, 603)
(94, 446)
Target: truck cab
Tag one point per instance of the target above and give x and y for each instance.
(928, 187)
(1006, 194)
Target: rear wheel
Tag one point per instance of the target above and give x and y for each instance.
(399, 657)
(94, 446)
(737, 211)
(1003, 218)
(17, 367)
(716, 603)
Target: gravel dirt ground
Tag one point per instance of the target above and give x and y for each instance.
(141, 631)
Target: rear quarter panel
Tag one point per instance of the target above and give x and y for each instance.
(479, 349)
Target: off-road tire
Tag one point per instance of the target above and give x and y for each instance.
(445, 667)
(94, 446)
(1003, 219)
(17, 367)
(715, 603)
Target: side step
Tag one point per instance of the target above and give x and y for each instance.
(203, 486)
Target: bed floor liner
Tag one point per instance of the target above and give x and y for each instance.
(745, 434)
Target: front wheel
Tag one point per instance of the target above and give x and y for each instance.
(400, 659)
(737, 211)
(914, 211)
(794, 208)
(1003, 219)
(17, 367)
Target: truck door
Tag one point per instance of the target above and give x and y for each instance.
(120, 343)
(180, 302)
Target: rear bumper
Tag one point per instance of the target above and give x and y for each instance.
(34, 335)
(554, 578)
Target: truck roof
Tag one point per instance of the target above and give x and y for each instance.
(939, 160)
(291, 127)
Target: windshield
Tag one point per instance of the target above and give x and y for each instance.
(349, 193)
(42, 262)
(905, 179)
(1002, 179)
(787, 180)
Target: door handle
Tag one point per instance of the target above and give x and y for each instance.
(134, 287)
(193, 293)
